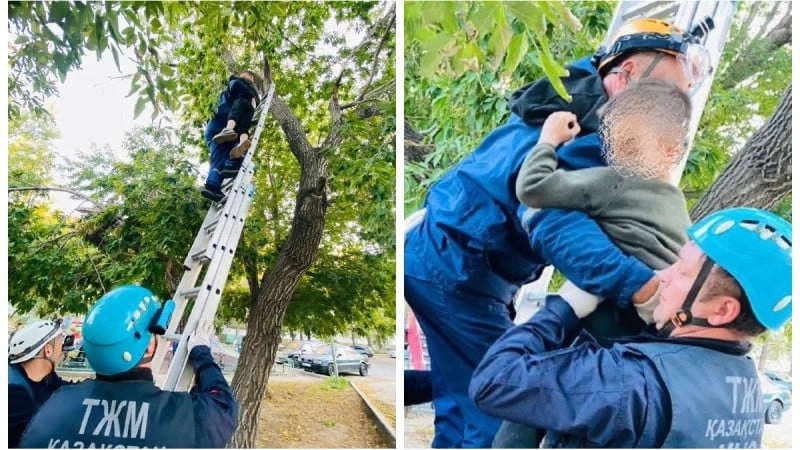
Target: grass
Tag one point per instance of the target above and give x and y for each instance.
(336, 383)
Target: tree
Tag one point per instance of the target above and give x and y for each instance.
(328, 175)
(143, 220)
(300, 247)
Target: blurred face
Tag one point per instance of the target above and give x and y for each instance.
(678, 279)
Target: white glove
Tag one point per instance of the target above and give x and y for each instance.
(202, 335)
(582, 302)
(645, 310)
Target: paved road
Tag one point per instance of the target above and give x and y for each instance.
(381, 378)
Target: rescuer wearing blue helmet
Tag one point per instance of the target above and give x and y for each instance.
(691, 385)
(122, 406)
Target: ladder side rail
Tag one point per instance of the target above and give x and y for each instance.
(186, 375)
(226, 221)
(205, 308)
(723, 13)
(236, 212)
(188, 283)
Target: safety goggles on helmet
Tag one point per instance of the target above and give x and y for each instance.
(696, 65)
(692, 57)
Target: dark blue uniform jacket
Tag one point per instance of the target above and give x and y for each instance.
(590, 396)
(129, 410)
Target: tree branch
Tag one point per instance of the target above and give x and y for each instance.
(69, 234)
(55, 188)
(375, 60)
(334, 107)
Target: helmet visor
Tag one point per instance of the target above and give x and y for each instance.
(696, 64)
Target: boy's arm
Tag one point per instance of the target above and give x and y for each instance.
(576, 245)
(540, 184)
(239, 89)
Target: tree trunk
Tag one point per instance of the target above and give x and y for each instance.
(760, 174)
(414, 150)
(278, 285)
(762, 358)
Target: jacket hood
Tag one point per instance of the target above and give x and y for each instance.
(249, 84)
(535, 101)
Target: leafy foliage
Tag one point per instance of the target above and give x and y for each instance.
(456, 106)
(184, 52)
(64, 264)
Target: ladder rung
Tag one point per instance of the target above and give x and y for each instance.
(200, 255)
(212, 226)
(190, 293)
(173, 336)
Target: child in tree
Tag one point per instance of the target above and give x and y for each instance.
(232, 120)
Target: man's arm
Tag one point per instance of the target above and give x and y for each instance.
(576, 245)
(585, 391)
(215, 410)
(540, 184)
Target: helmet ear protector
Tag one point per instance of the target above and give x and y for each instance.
(161, 319)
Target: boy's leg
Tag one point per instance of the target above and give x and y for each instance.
(459, 327)
(245, 112)
(227, 134)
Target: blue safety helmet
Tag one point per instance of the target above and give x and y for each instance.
(116, 331)
(755, 247)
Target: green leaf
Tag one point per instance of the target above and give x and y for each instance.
(482, 17)
(140, 103)
(435, 52)
(530, 14)
(517, 49)
(116, 56)
(498, 44)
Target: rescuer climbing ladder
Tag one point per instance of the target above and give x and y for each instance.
(212, 250)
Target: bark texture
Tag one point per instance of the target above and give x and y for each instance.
(760, 175)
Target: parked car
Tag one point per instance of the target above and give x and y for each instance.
(363, 350)
(347, 360)
(780, 380)
(392, 354)
(777, 399)
(294, 351)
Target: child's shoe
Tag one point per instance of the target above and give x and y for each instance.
(226, 135)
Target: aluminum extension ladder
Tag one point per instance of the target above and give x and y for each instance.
(685, 14)
(213, 249)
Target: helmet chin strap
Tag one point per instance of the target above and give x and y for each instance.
(683, 316)
(653, 64)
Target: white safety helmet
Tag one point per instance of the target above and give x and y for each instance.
(26, 343)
